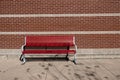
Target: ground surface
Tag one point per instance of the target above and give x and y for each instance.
(86, 69)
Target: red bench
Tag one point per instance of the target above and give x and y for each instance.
(49, 45)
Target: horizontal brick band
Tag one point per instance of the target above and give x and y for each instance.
(61, 6)
(60, 24)
(82, 40)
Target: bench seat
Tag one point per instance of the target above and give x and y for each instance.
(48, 51)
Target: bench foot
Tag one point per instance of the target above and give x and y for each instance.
(74, 61)
(22, 58)
(67, 58)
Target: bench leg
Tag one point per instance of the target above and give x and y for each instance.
(74, 60)
(67, 57)
(22, 58)
(68, 47)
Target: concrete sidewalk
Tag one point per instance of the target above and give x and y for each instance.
(86, 69)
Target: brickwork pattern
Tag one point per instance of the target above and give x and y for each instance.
(59, 7)
(60, 24)
(39, 24)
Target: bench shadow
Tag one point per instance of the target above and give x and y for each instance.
(47, 59)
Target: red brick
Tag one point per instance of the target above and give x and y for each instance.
(60, 24)
(59, 6)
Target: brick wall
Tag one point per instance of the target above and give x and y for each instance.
(61, 24)
(45, 24)
(59, 6)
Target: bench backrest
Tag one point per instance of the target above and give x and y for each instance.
(49, 41)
